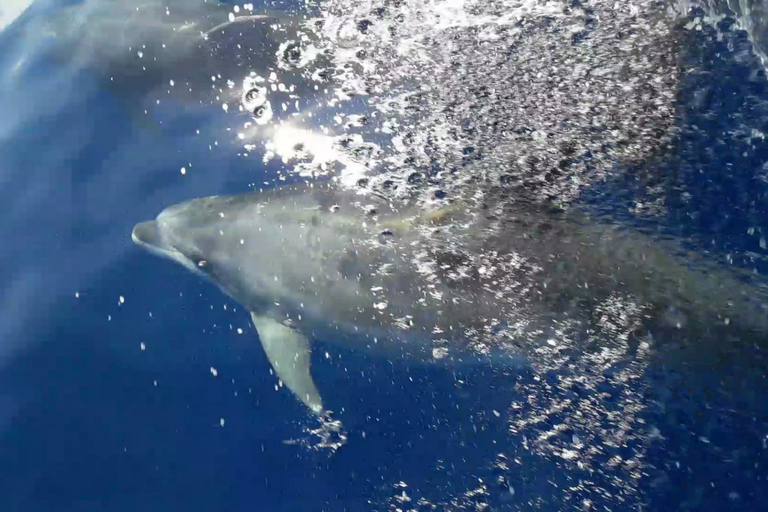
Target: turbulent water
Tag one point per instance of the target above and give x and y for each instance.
(556, 107)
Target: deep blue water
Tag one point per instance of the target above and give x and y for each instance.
(91, 422)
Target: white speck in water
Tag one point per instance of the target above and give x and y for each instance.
(214, 372)
(109, 318)
(225, 107)
(183, 170)
(763, 244)
(242, 242)
(77, 295)
(236, 8)
(172, 83)
(154, 382)
(231, 17)
(239, 331)
(140, 54)
(143, 346)
(122, 300)
(221, 422)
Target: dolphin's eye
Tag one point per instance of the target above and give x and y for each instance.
(196, 258)
(259, 111)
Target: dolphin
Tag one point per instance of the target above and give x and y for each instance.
(195, 51)
(453, 284)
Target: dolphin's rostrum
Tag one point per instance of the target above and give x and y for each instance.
(319, 261)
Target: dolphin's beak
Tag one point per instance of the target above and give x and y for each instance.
(147, 234)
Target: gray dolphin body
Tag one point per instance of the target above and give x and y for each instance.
(317, 261)
(194, 51)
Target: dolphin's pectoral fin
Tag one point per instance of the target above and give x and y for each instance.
(289, 352)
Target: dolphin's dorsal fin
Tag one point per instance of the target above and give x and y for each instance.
(290, 353)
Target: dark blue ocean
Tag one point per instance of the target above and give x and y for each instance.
(108, 401)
